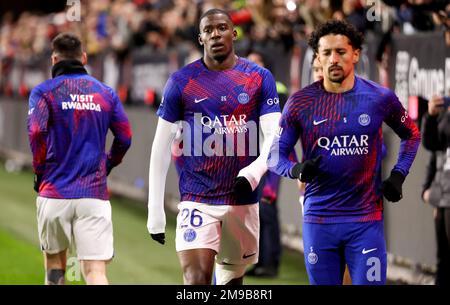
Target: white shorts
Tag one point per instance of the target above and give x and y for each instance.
(85, 223)
(231, 231)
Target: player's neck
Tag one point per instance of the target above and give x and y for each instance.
(346, 85)
(215, 65)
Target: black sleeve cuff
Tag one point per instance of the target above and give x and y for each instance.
(296, 170)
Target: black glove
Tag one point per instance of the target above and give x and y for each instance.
(392, 186)
(37, 182)
(307, 170)
(242, 189)
(160, 237)
(108, 167)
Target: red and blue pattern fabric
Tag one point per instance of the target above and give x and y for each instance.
(217, 110)
(346, 129)
(68, 120)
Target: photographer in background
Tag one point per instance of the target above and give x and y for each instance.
(436, 190)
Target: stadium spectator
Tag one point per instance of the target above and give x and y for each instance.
(68, 120)
(222, 95)
(342, 161)
(436, 189)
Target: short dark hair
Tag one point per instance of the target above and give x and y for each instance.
(215, 11)
(67, 46)
(336, 27)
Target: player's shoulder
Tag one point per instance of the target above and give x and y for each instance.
(308, 94)
(369, 87)
(41, 89)
(189, 70)
(249, 66)
(99, 86)
(182, 76)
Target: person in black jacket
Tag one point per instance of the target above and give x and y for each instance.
(436, 189)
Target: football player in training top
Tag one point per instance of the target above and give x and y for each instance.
(68, 120)
(222, 101)
(338, 121)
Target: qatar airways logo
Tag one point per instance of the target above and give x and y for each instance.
(345, 145)
(226, 124)
(81, 102)
(224, 135)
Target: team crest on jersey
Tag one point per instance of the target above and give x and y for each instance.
(243, 98)
(312, 257)
(364, 119)
(189, 235)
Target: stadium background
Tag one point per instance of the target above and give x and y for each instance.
(133, 46)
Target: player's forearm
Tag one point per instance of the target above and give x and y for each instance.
(38, 145)
(254, 172)
(121, 142)
(278, 161)
(38, 116)
(159, 166)
(118, 150)
(407, 152)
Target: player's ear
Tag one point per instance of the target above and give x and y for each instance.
(356, 54)
(84, 58)
(318, 58)
(234, 34)
(55, 59)
(200, 41)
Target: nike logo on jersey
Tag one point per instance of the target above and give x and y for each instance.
(200, 100)
(247, 256)
(364, 251)
(315, 123)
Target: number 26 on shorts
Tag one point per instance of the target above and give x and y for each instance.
(193, 218)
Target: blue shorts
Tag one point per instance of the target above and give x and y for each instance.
(328, 247)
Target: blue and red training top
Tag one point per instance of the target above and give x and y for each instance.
(219, 113)
(346, 130)
(68, 120)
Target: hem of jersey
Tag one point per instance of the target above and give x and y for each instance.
(374, 216)
(50, 196)
(221, 201)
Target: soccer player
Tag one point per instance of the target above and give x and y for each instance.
(317, 75)
(68, 120)
(222, 101)
(338, 121)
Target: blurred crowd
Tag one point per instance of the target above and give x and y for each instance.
(123, 25)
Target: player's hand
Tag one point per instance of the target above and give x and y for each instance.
(435, 105)
(37, 182)
(242, 189)
(307, 170)
(392, 186)
(159, 237)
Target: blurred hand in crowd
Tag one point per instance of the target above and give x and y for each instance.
(435, 105)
